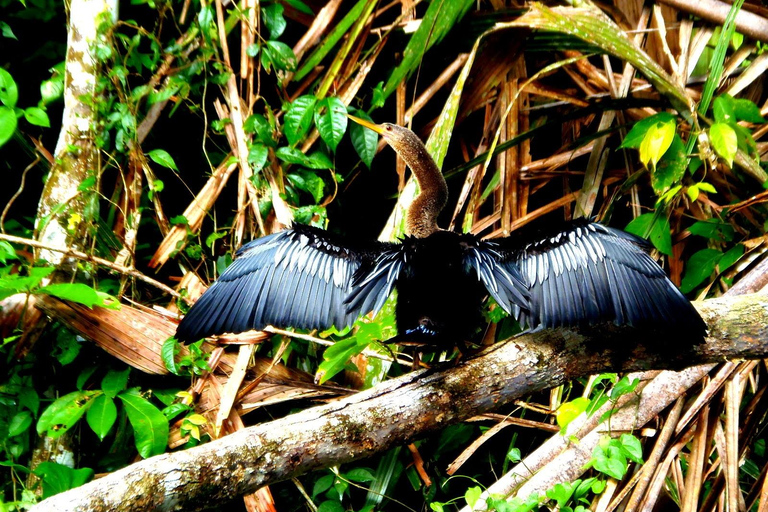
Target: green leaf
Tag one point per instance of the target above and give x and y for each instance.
(58, 478)
(569, 411)
(168, 354)
(746, 110)
(360, 475)
(308, 182)
(274, 20)
(330, 506)
(714, 229)
(657, 229)
(657, 140)
(635, 137)
(37, 117)
(364, 140)
(114, 382)
(51, 90)
(671, 167)
(293, 156)
(693, 192)
(162, 157)
(150, 427)
(472, 495)
(300, 6)
(661, 236)
(319, 160)
(298, 118)
(623, 386)
(323, 484)
(9, 93)
(730, 257)
(724, 108)
(63, 413)
(699, 267)
(258, 124)
(724, 141)
(440, 17)
(632, 448)
(514, 455)
(8, 124)
(331, 120)
(6, 30)
(257, 156)
(336, 356)
(75, 292)
(102, 415)
(281, 55)
(329, 41)
(19, 424)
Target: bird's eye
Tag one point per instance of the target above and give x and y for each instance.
(389, 127)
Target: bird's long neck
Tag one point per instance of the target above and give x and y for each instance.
(421, 220)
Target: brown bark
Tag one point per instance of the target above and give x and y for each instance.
(400, 410)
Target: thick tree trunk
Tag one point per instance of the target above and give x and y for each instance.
(400, 410)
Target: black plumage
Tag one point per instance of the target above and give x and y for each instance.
(305, 277)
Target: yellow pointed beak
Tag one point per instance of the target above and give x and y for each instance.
(371, 126)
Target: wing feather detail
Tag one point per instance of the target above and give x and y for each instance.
(589, 273)
(501, 278)
(302, 277)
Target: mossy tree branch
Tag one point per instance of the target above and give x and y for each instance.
(400, 410)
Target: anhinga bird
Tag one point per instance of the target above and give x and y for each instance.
(305, 277)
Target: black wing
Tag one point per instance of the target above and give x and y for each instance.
(301, 277)
(500, 277)
(590, 273)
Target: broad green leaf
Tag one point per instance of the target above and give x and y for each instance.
(298, 118)
(569, 411)
(319, 160)
(323, 484)
(440, 17)
(331, 120)
(162, 157)
(472, 495)
(63, 413)
(360, 475)
(693, 192)
(746, 110)
(6, 30)
(76, 292)
(293, 156)
(257, 157)
(713, 228)
(308, 182)
(611, 467)
(364, 141)
(281, 55)
(330, 506)
(37, 117)
(273, 19)
(724, 141)
(671, 167)
(114, 382)
(8, 124)
(730, 257)
(661, 236)
(9, 93)
(51, 90)
(7, 252)
(29, 398)
(657, 140)
(58, 478)
(102, 415)
(19, 424)
(258, 124)
(635, 137)
(150, 427)
(724, 109)
(632, 448)
(336, 356)
(699, 267)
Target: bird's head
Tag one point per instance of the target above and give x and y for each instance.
(394, 135)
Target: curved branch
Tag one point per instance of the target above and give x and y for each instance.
(403, 409)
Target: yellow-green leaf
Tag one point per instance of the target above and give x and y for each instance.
(656, 142)
(724, 141)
